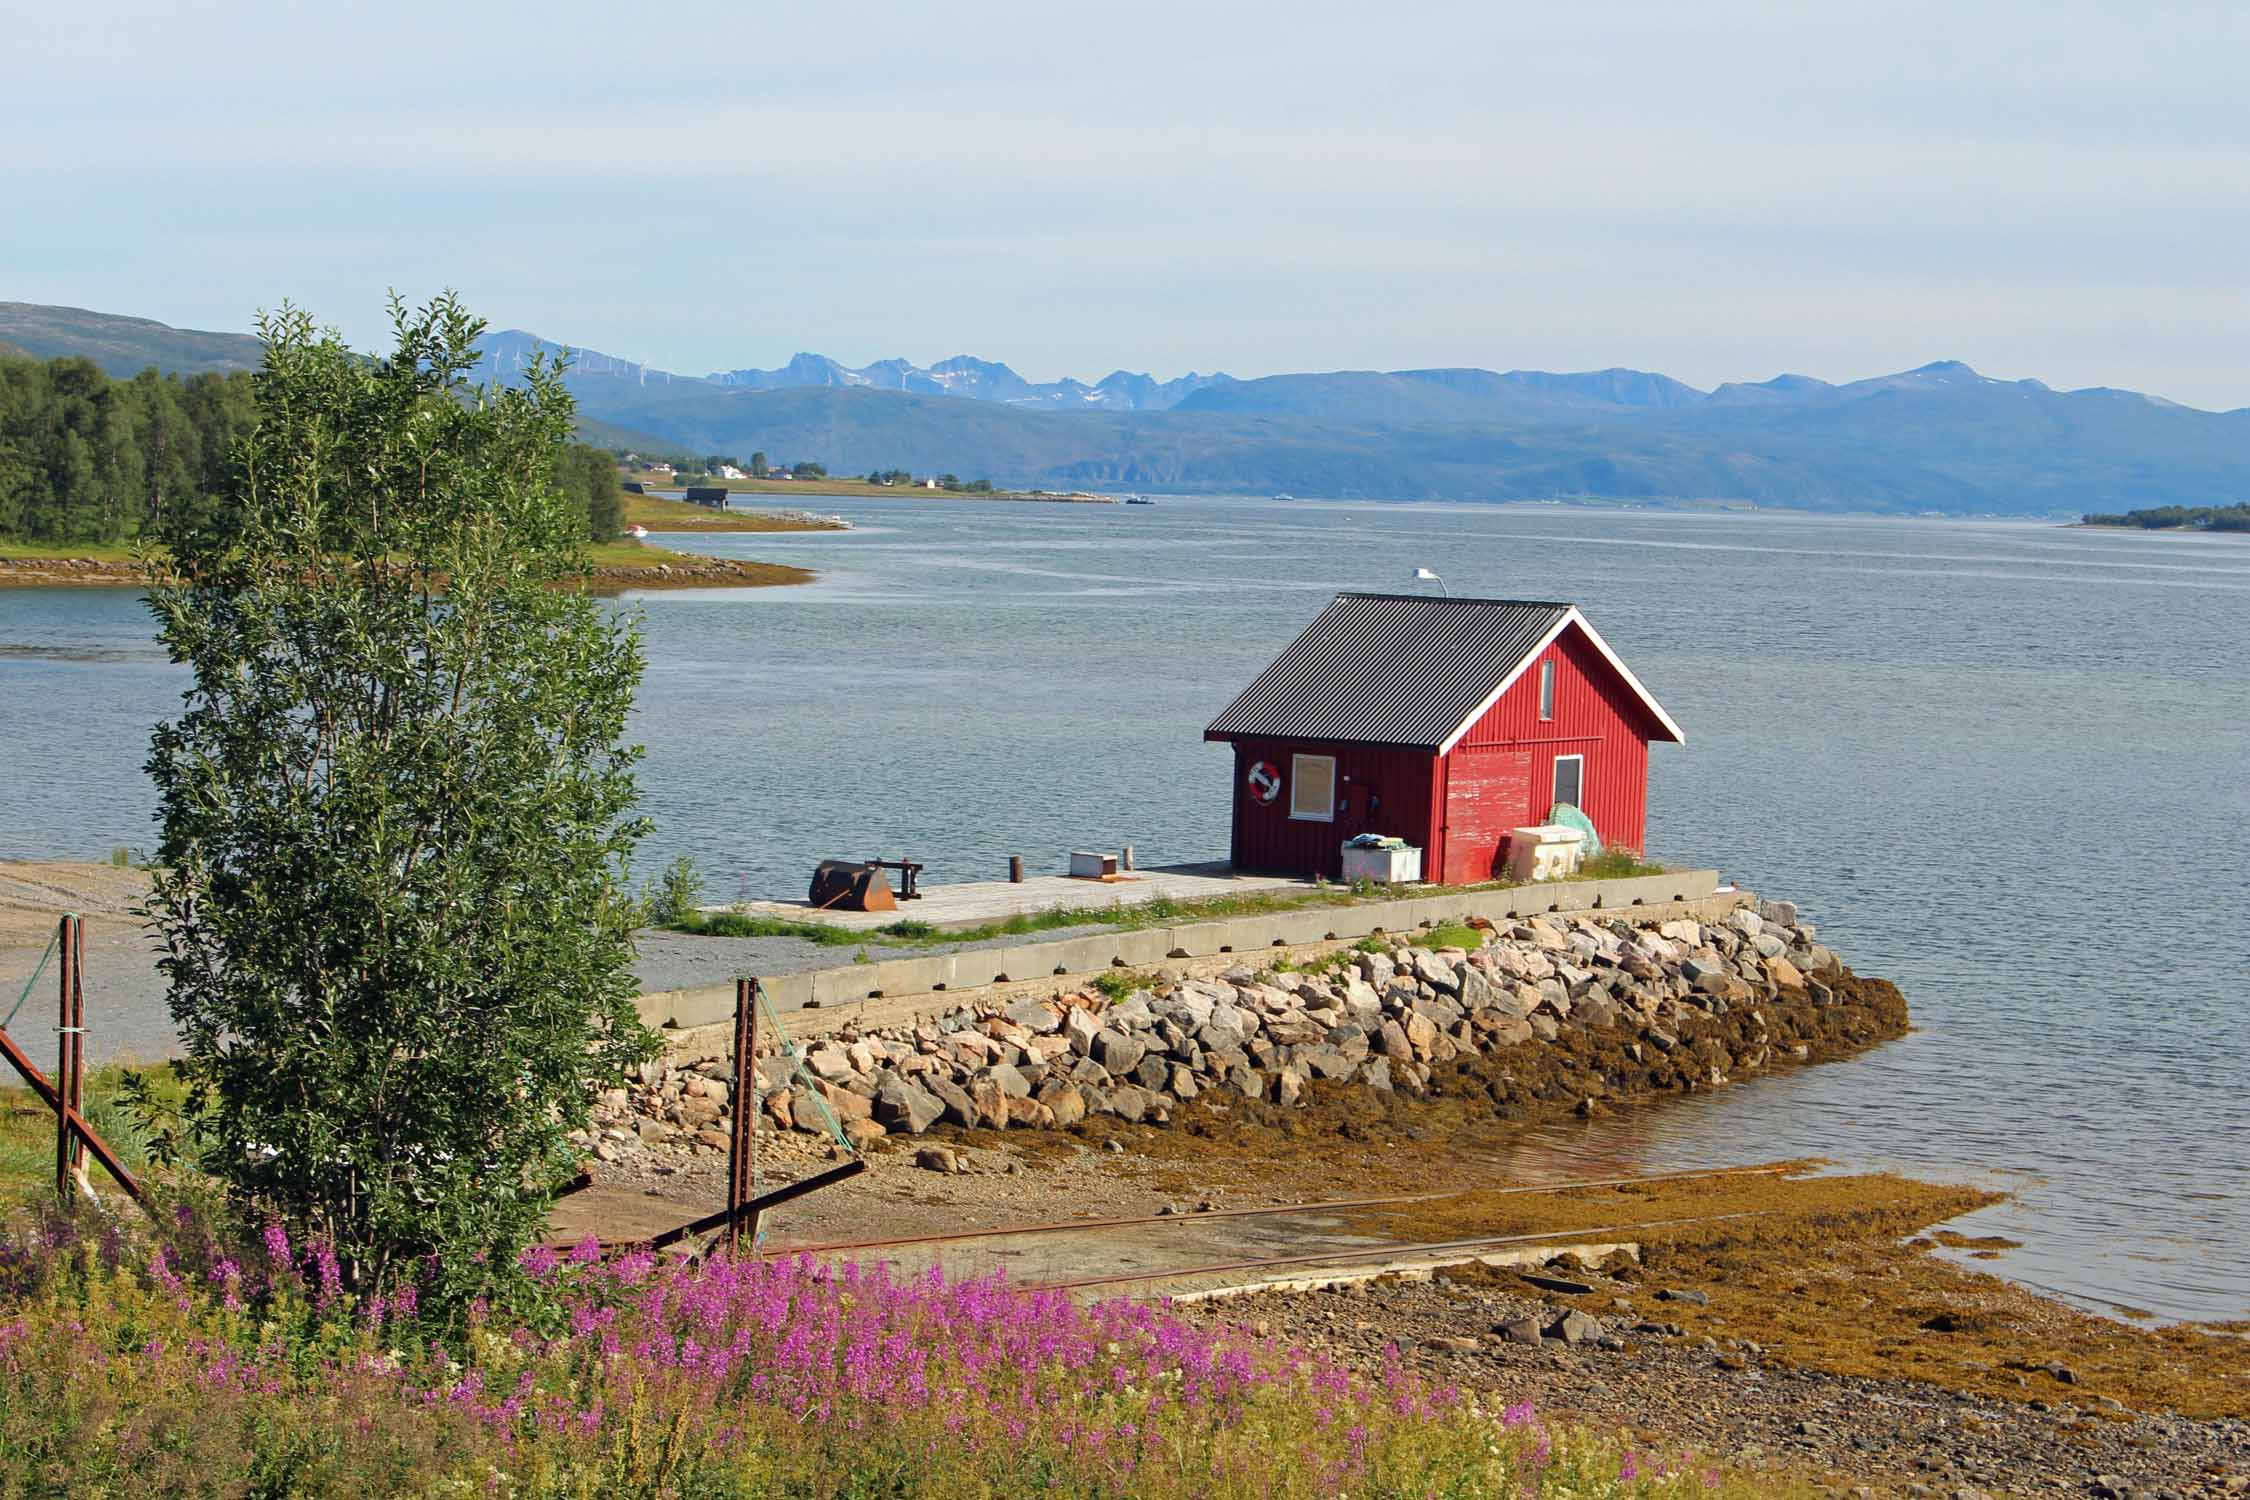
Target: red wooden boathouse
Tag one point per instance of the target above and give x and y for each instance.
(1444, 722)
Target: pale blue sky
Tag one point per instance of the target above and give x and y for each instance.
(1718, 190)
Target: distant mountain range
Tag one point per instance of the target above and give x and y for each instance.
(1937, 438)
(977, 379)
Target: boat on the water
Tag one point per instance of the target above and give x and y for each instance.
(1138, 500)
(1285, 497)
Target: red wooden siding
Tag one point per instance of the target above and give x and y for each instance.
(1486, 790)
(1379, 789)
(1458, 808)
(1597, 716)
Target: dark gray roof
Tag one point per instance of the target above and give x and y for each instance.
(1389, 669)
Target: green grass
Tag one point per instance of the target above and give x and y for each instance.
(1615, 863)
(1163, 911)
(27, 1132)
(17, 550)
(1448, 935)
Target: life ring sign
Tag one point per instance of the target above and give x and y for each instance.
(1265, 781)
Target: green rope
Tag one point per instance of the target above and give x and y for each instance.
(797, 1069)
(790, 1050)
(36, 970)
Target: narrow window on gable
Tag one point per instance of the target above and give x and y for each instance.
(1547, 689)
(1312, 788)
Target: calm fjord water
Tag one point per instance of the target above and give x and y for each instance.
(2007, 765)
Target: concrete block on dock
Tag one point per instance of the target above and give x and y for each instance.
(844, 986)
(914, 976)
(787, 992)
(702, 1005)
(1302, 926)
(1148, 945)
(1084, 955)
(1201, 939)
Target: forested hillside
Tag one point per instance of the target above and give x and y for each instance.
(85, 458)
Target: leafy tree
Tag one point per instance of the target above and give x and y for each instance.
(395, 809)
(589, 479)
(86, 458)
(809, 471)
(758, 464)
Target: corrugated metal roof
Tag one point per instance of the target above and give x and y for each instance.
(1389, 669)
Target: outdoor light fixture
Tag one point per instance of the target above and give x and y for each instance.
(1424, 575)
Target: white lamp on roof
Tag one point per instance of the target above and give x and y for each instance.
(1424, 575)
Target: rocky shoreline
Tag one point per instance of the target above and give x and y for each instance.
(1621, 1367)
(1541, 1015)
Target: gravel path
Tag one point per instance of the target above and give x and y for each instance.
(127, 1020)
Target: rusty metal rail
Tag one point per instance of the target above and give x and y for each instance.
(1329, 1205)
(1432, 1247)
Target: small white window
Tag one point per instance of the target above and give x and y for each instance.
(1570, 780)
(1312, 788)
(1547, 689)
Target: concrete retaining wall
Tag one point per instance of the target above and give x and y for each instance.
(708, 1005)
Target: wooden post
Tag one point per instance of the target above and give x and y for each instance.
(1127, 861)
(1015, 869)
(742, 1142)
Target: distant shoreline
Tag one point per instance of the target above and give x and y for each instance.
(860, 489)
(662, 570)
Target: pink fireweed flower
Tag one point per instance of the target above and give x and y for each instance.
(160, 1271)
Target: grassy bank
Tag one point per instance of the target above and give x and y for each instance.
(659, 514)
(618, 565)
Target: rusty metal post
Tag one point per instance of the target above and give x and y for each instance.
(70, 1051)
(742, 1140)
(1015, 869)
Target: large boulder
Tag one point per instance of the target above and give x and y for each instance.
(900, 1106)
(1081, 1027)
(958, 1109)
(1436, 972)
(1034, 1016)
(1010, 1079)
(1117, 1051)
(1065, 1101)
(1288, 1086)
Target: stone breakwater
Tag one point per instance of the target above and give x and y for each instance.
(1545, 1013)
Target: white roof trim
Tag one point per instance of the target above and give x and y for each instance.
(1570, 617)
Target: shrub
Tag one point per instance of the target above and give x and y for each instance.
(396, 805)
(678, 895)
